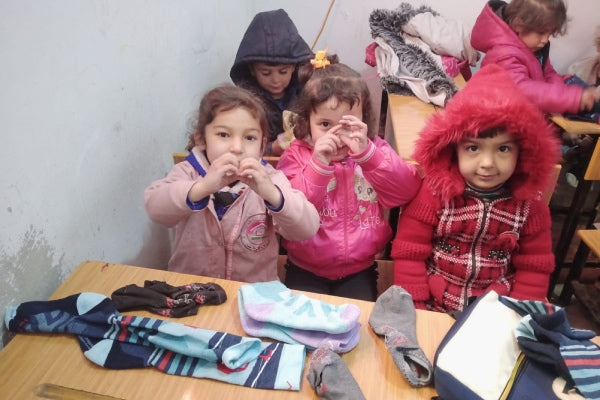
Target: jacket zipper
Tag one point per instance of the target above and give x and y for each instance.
(486, 206)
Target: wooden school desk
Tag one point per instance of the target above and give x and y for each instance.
(30, 360)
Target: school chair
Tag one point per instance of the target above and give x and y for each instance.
(590, 238)
(576, 208)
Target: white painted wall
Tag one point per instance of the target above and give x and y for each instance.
(96, 94)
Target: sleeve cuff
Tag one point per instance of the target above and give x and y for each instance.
(275, 209)
(198, 205)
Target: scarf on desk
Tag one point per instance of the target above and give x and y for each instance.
(116, 341)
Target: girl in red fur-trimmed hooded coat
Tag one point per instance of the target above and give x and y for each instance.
(479, 222)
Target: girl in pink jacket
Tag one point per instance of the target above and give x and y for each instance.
(350, 175)
(228, 205)
(516, 37)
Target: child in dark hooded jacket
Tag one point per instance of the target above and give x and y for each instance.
(267, 63)
(479, 222)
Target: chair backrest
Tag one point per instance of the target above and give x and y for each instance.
(547, 194)
(592, 173)
(180, 156)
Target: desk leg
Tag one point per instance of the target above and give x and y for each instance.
(568, 230)
(574, 272)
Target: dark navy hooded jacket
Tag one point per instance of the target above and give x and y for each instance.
(271, 37)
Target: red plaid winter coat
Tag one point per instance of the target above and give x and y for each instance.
(452, 245)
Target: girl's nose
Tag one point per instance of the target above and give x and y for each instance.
(235, 145)
(486, 160)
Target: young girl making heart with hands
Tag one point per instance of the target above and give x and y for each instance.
(227, 204)
(350, 175)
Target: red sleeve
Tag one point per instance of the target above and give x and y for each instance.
(412, 244)
(534, 261)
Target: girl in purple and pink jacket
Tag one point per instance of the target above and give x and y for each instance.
(350, 175)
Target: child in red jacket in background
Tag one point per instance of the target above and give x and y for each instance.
(479, 222)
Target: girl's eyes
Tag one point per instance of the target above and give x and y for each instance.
(325, 124)
(251, 138)
(472, 148)
(222, 134)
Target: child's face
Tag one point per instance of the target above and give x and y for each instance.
(487, 163)
(273, 78)
(327, 115)
(233, 131)
(534, 40)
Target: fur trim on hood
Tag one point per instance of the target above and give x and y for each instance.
(490, 99)
(413, 60)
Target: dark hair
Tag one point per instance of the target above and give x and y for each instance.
(537, 16)
(335, 80)
(490, 132)
(225, 98)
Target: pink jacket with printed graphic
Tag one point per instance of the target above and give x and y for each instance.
(541, 84)
(244, 245)
(350, 196)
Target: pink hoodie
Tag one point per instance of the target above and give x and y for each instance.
(501, 45)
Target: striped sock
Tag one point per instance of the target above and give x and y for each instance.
(544, 324)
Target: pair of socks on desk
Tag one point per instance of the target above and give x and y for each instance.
(161, 298)
(116, 341)
(394, 317)
(270, 309)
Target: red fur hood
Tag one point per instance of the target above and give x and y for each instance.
(490, 99)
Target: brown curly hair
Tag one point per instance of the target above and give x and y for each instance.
(225, 98)
(335, 80)
(537, 16)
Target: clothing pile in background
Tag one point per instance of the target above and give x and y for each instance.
(418, 51)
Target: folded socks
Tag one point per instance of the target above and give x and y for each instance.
(270, 309)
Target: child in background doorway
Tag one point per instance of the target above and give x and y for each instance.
(350, 175)
(226, 203)
(516, 37)
(479, 222)
(267, 63)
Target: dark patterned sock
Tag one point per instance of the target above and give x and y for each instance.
(171, 301)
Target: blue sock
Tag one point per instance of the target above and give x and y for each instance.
(113, 340)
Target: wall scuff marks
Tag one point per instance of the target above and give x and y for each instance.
(29, 274)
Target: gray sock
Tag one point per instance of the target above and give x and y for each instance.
(394, 317)
(330, 377)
